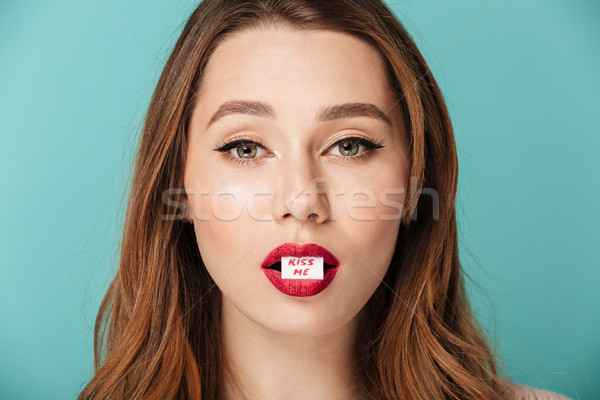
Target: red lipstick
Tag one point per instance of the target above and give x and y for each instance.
(299, 287)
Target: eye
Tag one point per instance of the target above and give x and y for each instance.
(353, 146)
(349, 148)
(242, 150)
(245, 150)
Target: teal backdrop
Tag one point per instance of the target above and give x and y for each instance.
(522, 84)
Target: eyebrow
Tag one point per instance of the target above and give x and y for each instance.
(242, 107)
(329, 113)
(349, 110)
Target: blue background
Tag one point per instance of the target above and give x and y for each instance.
(521, 83)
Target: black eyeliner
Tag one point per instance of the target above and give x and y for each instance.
(361, 141)
(369, 144)
(223, 147)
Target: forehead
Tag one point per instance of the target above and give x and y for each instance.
(277, 63)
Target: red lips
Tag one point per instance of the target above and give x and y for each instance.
(300, 287)
(298, 250)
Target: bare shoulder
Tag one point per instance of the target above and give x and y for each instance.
(522, 392)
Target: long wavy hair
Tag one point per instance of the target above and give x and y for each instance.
(157, 334)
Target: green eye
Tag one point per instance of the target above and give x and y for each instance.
(247, 150)
(354, 147)
(349, 148)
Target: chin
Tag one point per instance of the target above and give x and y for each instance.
(306, 319)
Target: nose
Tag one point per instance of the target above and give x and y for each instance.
(301, 193)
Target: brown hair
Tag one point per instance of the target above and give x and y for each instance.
(157, 334)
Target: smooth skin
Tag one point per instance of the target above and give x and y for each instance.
(299, 184)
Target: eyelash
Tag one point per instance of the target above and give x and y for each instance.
(224, 148)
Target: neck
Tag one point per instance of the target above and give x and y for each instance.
(263, 364)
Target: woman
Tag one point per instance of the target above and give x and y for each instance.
(288, 132)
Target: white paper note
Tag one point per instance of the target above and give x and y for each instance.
(302, 267)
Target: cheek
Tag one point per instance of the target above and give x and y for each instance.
(372, 208)
(368, 220)
(225, 231)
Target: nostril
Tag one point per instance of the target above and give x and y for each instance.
(313, 216)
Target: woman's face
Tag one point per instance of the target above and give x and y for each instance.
(292, 98)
